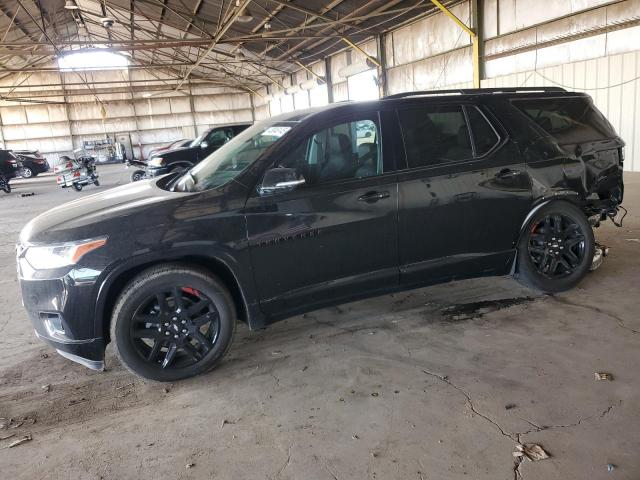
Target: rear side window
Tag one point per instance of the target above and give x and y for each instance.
(435, 135)
(484, 136)
(569, 119)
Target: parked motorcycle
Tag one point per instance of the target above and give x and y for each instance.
(4, 185)
(77, 172)
(139, 173)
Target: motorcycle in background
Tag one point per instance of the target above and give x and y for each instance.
(77, 172)
(139, 173)
(4, 185)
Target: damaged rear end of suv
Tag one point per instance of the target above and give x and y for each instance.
(570, 126)
(556, 127)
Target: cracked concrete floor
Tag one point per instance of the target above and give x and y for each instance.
(387, 388)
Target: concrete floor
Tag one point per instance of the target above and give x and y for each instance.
(396, 387)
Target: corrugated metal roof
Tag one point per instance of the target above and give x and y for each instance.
(177, 36)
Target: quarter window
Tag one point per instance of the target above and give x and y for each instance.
(435, 135)
(343, 151)
(569, 119)
(484, 136)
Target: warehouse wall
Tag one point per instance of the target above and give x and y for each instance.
(588, 45)
(56, 129)
(582, 45)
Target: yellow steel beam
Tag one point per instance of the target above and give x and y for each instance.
(310, 71)
(369, 57)
(474, 41)
(475, 44)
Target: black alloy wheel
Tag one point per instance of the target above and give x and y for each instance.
(556, 246)
(173, 321)
(555, 249)
(175, 328)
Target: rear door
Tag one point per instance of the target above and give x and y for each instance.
(463, 193)
(336, 235)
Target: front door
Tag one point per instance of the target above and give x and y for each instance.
(334, 236)
(463, 195)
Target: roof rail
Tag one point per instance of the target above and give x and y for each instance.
(476, 91)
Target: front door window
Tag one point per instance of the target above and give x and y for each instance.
(344, 151)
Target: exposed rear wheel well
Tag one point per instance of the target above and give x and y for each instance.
(214, 266)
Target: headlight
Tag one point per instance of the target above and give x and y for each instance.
(156, 162)
(60, 255)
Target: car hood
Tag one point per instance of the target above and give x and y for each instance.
(177, 152)
(116, 209)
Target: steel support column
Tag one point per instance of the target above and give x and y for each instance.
(327, 74)
(475, 39)
(382, 69)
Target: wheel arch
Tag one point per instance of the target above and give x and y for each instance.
(112, 286)
(568, 196)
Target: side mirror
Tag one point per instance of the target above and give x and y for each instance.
(279, 180)
(203, 145)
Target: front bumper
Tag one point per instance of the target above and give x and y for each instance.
(81, 354)
(61, 308)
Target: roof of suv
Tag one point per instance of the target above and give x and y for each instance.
(461, 93)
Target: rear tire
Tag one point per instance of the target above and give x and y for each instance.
(77, 187)
(27, 173)
(137, 175)
(556, 248)
(173, 322)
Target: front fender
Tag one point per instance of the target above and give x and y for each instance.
(122, 271)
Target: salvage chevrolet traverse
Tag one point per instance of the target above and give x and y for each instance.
(323, 206)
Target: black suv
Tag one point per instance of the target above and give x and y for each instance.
(323, 206)
(179, 159)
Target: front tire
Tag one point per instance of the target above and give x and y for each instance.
(137, 175)
(556, 248)
(173, 322)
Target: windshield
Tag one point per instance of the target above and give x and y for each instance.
(198, 139)
(230, 160)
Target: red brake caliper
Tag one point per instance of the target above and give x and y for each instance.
(191, 291)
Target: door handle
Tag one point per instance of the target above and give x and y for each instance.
(371, 197)
(507, 173)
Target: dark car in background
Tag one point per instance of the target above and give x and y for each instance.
(186, 157)
(319, 207)
(33, 163)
